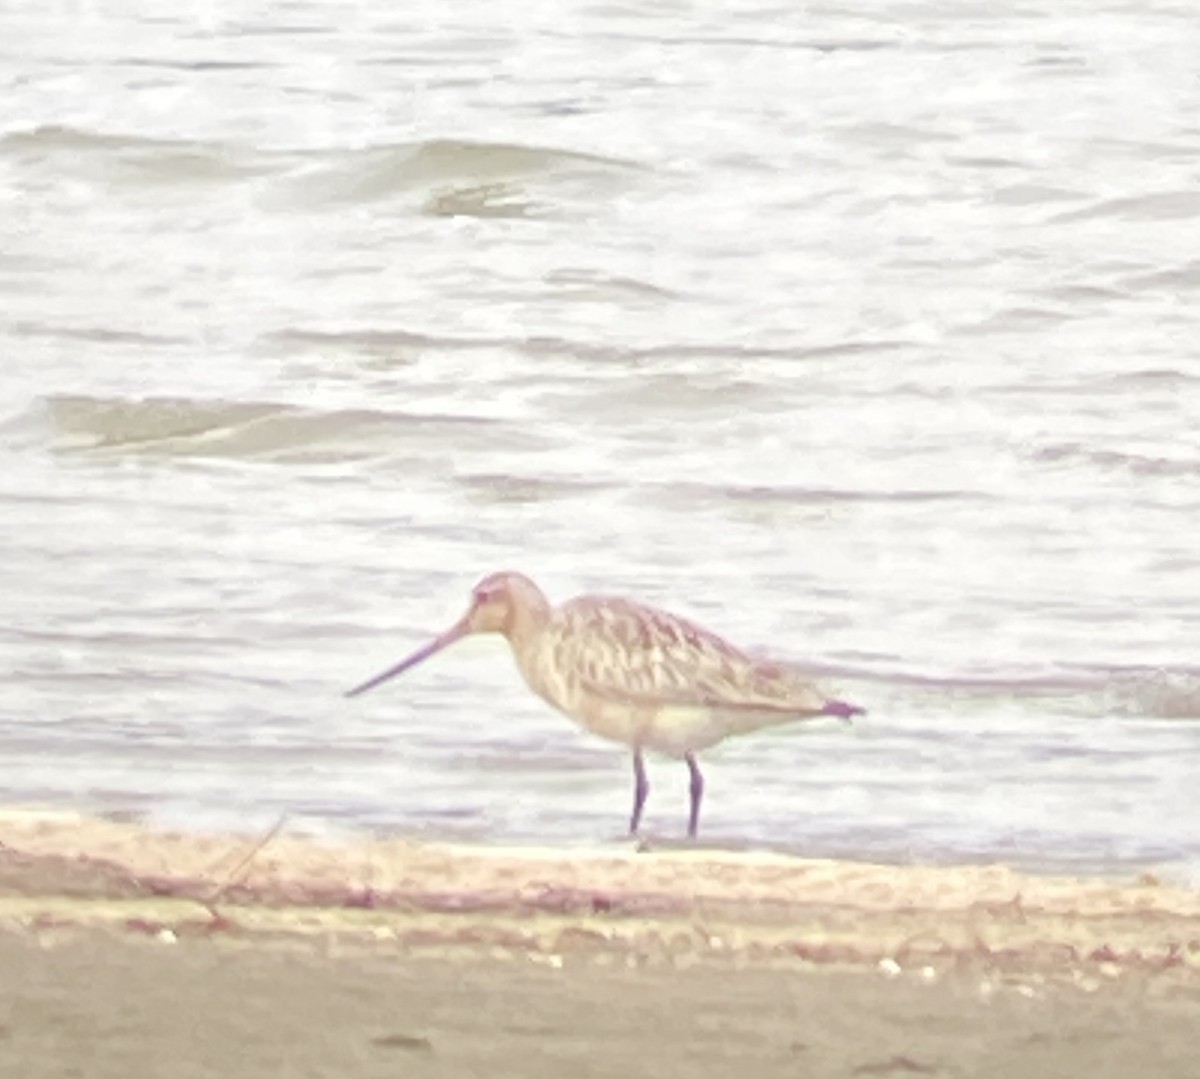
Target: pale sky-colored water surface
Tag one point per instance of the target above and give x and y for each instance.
(866, 334)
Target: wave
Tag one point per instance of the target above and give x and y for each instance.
(79, 153)
(94, 334)
(1135, 464)
(453, 177)
(791, 494)
(398, 344)
(449, 177)
(1084, 692)
(1157, 206)
(184, 427)
(398, 341)
(1160, 694)
(504, 488)
(1184, 276)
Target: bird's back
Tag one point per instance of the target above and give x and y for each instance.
(646, 658)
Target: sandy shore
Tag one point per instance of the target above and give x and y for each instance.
(129, 951)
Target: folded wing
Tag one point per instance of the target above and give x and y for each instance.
(623, 650)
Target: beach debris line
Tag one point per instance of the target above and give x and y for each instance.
(239, 870)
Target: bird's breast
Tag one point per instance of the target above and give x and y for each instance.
(565, 686)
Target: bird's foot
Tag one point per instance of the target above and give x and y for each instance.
(843, 710)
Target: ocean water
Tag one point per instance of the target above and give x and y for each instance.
(864, 334)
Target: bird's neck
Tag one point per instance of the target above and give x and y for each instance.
(531, 638)
(526, 624)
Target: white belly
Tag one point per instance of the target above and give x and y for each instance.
(682, 729)
(669, 729)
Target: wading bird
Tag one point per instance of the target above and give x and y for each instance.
(632, 674)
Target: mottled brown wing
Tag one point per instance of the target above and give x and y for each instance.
(627, 651)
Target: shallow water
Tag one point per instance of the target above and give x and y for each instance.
(865, 335)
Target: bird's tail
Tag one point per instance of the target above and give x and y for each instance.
(842, 709)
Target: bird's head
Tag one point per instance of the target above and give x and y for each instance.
(504, 602)
(499, 603)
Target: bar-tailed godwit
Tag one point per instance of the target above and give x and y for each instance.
(632, 674)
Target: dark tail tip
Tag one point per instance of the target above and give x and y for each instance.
(842, 709)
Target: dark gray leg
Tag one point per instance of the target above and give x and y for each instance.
(641, 787)
(697, 793)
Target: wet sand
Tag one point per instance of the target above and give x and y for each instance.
(393, 957)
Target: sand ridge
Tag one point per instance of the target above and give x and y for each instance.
(683, 905)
